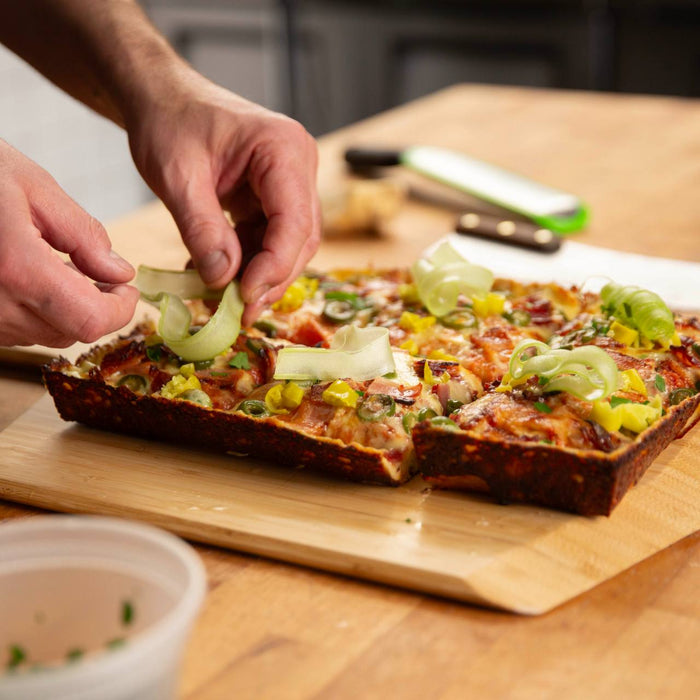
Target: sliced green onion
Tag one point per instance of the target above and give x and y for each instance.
(586, 372)
(443, 422)
(357, 353)
(679, 395)
(459, 319)
(426, 414)
(640, 309)
(252, 407)
(453, 405)
(339, 311)
(376, 406)
(266, 327)
(204, 364)
(135, 382)
(408, 421)
(442, 277)
(518, 317)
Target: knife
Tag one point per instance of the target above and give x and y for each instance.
(551, 208)
(514, 232)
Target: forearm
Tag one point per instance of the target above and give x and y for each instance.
(104, 53)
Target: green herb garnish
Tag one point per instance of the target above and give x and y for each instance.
(616, 401)
(74, 655)
(17, 656)
(660, 383)
(542, 407)
(239, 361)
(127, 612)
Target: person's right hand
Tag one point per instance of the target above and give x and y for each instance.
(43, 299)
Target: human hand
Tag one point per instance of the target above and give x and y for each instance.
(43, 299)
(203, 151)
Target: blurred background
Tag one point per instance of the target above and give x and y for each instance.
(331, 62)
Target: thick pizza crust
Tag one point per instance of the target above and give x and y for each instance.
(585, 482)
(100, 405)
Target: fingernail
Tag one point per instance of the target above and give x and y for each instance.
(120, 262)
(214, 265)
(256, 296)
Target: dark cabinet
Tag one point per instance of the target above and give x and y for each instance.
(332, 62)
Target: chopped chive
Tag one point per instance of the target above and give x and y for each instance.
(116, 643)
(17, 656)
(239, 361)
(127, 612)
(74, 655)
(218, 374)
(542, 407)
(660, 383)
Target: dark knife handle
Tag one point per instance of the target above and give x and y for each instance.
(372, 157)
(520, 233)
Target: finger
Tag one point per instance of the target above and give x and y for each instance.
(289, 199)
(253, 310)
(69, 228)
(206, 231)
(69, 302)
(21, 326)
(243, 205)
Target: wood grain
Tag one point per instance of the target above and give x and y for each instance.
(274, 630)
(517, 558)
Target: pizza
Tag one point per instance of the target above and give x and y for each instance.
(524, 392)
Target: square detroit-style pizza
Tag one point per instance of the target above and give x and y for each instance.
(527, 392)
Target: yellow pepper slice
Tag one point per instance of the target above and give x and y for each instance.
(635, 417)
(632, 381)
(413, 323)
(490, 305)
(442, 355)
(340, 394)
(281, 398)
(410, 346)
(294, 296)
(409, 293)
(624, 334)
(180, 384)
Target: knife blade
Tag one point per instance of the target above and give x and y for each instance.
(510, 231)
(553, 209)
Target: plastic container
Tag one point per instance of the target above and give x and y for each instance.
(94, 608)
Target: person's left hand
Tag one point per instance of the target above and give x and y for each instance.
(204, 150)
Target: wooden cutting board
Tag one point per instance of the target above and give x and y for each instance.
(519, 558)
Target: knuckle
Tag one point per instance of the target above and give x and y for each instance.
(90, 328)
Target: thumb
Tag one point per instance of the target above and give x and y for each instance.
(207, 233)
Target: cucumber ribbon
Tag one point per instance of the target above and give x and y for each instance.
(165, 289)
(354, 353)
(444, 275)
(586, 372)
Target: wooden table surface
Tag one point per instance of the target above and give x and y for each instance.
(271, 630)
